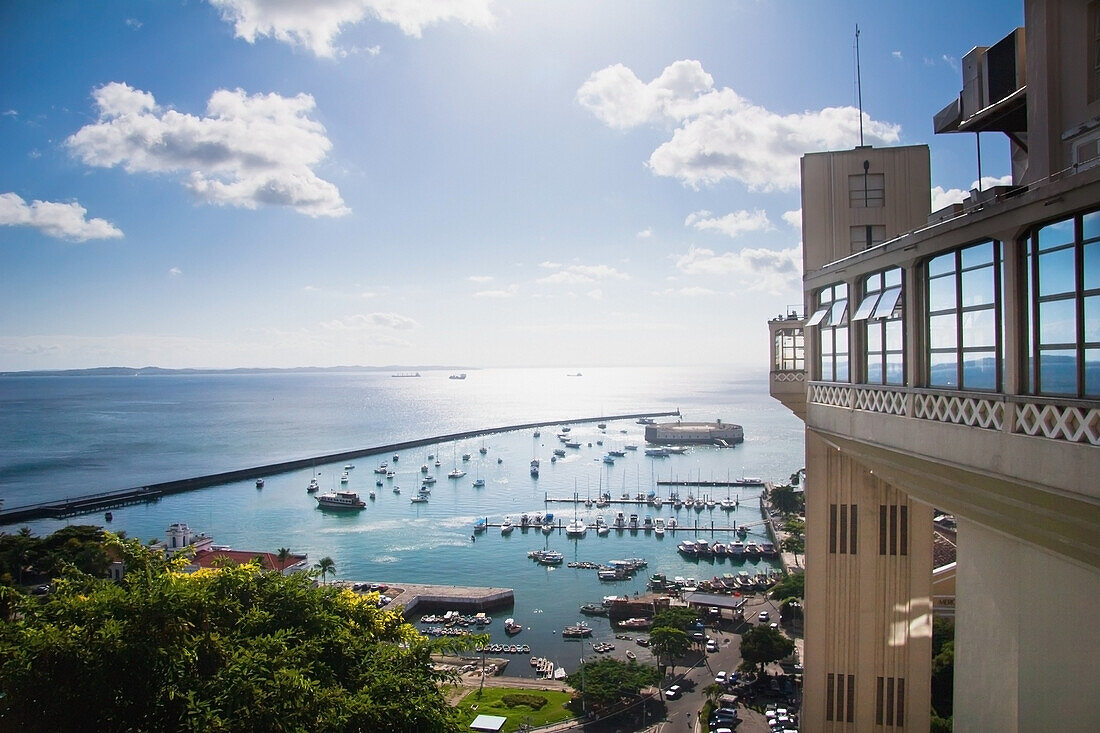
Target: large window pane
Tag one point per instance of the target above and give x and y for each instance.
(1055, 234)
(979, 254)
(892, 278)
(980, 370)
(1058, 371)
(943, 371)
(1056, 272)
(977, 287)
(874, 369)
(942, 331)
(893, 335)
(842, 367)
(1057, 322)
(941, 265)
(874, 338)
(827, 370)
(979, 328)
(864, 311)
(1092, 372)
(887, 304)
(895, 373)
(1092, 319)
(941, 294)
(1090, 226)
(1092, 266)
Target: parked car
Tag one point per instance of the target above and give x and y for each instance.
(764, 617)
(712, 645)
(720, 678)
(673, 692)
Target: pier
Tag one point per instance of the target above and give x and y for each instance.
(90, 503)
(419, 597)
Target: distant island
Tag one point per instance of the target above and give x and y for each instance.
(159, 371)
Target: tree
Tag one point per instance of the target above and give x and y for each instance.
(325, 566)
(794, 545)
(763, 644)
(943, 667)
(669, 644)
(606, 681)
(284, 553)
(792, 586)
(675, 617)
(230, 649)
(786, 500)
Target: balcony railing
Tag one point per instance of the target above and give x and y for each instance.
(1072, 421)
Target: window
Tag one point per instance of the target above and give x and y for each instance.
(831, 318)
(1063, 264)
(964, 335)
(840, 698)
(880, 314)
(789, 350)
(842, 529)
(867, 190)
(890, 701)
(893, 529)
(867, 236)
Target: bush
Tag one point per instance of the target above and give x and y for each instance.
(515, 699)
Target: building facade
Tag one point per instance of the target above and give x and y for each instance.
(951, 360)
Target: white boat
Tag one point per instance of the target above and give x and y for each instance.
(340, 500)
(576, 528)
(456, 473)
(506, 527)
(372, 494)
(344, 478)
(428, 480)
(419, 499)
(390, 474)
(657, 452)
(259, 483)
(424, 468)
(465, 456)
(349, 466)
(313, 485)
(659, 526)
(479, 483)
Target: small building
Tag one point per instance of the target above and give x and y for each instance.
(488, 722)
(675, 433)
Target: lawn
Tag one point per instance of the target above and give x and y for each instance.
(491, 702)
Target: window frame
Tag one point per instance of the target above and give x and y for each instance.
(831, 320)
(878, 292)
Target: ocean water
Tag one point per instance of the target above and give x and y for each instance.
(65, 436)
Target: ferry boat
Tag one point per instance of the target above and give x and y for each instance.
(340, 500)
(576, 631)
(657, 452)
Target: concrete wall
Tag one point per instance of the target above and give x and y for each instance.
(1027, 648)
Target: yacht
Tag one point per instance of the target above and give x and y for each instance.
(620, 520)
(630, 446)
(506, 527)
(535, 467)
(349, 466)
(424, 468)
(657, 452)
(390, 474)
(576, 528)
(259, 483)
(609, 460)
(465, 457)
(601, 526)
(313, 486)
(340, 500)
(428, 480)
(456, 473)
(479, 483)
(344, 477)
(419, 499)
(659, 527)
(372, 494)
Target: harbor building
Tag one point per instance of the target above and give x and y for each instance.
(949, 361)
(675, 433)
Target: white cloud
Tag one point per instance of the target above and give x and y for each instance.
(9, 113)
(721, 135)
(365, 321)
(508, 292)
(645, 233)
(314, 25)
(945, 197)
(755, 268)
(579, 274)
(793, 218)
(480, 278)
(896, 54)
(550, 265)
(690, 292)
(133, 23)
(175, 272)
(595, 294)
(58, 220)
(951, 61)
(247, 151)
(732, 225)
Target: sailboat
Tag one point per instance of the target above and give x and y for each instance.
(479, 482)
(576, 528)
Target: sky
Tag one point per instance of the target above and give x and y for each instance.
(268, 183)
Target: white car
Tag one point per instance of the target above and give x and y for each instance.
(720, 678)
(673, 692)
(764, 617)
(712, 645)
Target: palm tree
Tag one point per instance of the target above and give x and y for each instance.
(325, 566)
(284, 553)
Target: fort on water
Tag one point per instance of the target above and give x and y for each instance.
(683, 433)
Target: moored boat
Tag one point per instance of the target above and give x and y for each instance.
(340, 500)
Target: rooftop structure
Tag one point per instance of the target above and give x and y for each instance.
(950, 361)
(694, 432)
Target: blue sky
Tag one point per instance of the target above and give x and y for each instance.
(221, 183)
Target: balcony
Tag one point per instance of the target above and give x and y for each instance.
(787, 378)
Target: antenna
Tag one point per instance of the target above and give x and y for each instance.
(859, 89)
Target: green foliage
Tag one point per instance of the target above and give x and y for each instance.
(795, 526)
(763, 644)
(324, 567)
(26, 558)
(791, 610)
(489, 701)
(669, 644)
(786, 500)
(515, 699)
(943, 667)
(606, 680)
(792, 586)
(939, 725)
(231, 649)
(795, 545)
(675, 617)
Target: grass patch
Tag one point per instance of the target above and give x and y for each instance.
(536, 707)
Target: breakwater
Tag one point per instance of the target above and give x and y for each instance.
(96, 502)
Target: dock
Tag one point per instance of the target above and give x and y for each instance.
(89, 503)
(420, 598)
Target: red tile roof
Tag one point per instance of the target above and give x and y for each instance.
(268, 560)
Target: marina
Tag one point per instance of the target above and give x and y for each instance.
(438, 543)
